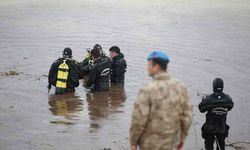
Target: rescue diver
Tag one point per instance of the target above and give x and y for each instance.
(118, 65)
(87, 63)
(103, 55)
(99, 75)
(64, 73)
(217, 106)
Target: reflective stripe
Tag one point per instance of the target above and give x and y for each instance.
(105, 72)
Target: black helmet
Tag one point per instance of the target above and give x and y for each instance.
(67, 52)
(98, 46)
(218, 85)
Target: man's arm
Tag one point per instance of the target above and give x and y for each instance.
(230, 102)
(80, 72)
(186, 115)
(203, 106)
(120, 69)
(139, 116)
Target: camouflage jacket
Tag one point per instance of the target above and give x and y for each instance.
(162, 114)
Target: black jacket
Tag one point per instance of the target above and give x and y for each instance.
(99, 76)
(74, 72)
(106, 58)
(118, 68)
(87, 66)
(217, 106)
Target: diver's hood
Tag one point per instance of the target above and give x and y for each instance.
(218, 85)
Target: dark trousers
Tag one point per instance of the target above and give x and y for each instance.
(63, 90)
(211, 138)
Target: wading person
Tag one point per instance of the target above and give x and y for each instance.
(99, 75)
(118, 65)
(64, 73)
(103, 55)
(217, 106)
(87, 63)
(162, 112)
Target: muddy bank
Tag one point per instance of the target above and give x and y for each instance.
(204, 40)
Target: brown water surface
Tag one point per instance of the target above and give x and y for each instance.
(205, 39)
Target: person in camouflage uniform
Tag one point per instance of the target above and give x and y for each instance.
(162, 112)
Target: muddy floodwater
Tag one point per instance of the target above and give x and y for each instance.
(205, 39)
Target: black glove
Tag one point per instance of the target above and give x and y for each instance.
(49, 86)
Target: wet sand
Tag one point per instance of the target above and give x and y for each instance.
(204, 39)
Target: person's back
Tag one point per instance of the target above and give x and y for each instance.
(162, 112)
(167, 98)
(216, 111)
(102, 53)
(99, 75)
(101, 71)
(87, 63)
(217, 106)
(118, 65)
(64, 73)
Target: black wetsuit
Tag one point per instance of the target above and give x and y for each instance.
(75, 73)
(216, 105)
(118, 69)
(99, 76)
(86, 66)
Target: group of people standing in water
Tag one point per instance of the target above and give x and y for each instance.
(97, 70)
(162, 112)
